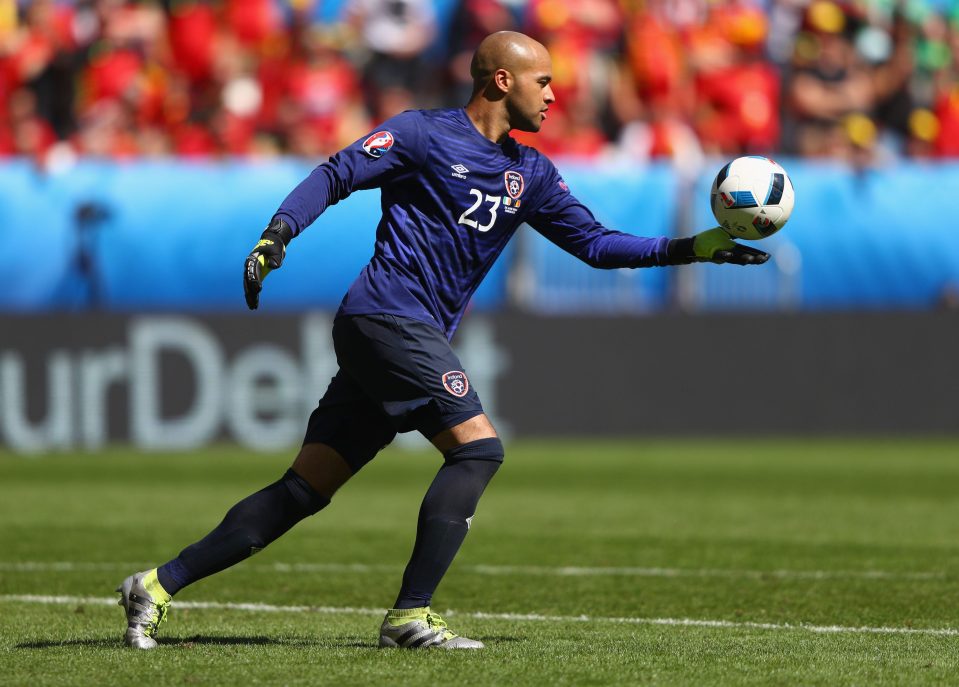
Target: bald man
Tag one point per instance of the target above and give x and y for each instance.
(454, 189)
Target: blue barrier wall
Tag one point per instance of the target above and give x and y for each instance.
(176, 233)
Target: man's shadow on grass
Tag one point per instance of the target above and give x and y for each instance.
(180, 642)
(345, 642)
(488, 640)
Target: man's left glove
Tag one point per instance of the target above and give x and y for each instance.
(266, 256)
(713, 245)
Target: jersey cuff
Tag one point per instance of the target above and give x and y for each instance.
(680, 251)
(292, 230)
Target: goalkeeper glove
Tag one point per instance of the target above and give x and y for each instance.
(266, 256)
(713, 245)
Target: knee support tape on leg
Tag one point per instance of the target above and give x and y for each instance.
(481, 449)
(310, 500)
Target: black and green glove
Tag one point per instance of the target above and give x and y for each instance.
(713, 245)
(265, 257)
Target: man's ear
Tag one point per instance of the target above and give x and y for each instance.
(502, 80)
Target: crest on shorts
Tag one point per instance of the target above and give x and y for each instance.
(378, 144)
(514, 184)
(456, 383)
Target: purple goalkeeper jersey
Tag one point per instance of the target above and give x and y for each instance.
(451, 200)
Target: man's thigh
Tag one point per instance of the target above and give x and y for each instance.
(408, 369)
(349, 422)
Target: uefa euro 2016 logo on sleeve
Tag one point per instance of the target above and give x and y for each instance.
(456, 383)
(378, 144)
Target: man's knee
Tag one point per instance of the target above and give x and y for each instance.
(489, 449)
(323, 468)
(308, 499)
(463, 478)
(476, 428)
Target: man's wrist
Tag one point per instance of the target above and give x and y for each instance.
(681, 251)
(278, 227)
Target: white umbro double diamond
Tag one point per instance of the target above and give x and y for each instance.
(459, 171)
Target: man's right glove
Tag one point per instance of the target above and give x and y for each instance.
(713, 245)
(266, 256)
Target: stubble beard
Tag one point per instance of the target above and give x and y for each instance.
(521, 121)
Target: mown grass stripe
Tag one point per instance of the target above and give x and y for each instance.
(532, 570)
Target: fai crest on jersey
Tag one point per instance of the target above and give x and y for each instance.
(514, 184)
(456, 383)
(378, 144)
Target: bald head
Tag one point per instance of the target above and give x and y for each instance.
(507, 50)
(511, 76)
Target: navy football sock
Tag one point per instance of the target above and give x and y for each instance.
(248, 527)
(445, 515)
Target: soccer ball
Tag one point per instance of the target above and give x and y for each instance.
(752, 197)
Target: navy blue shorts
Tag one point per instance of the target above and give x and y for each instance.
(396, 375)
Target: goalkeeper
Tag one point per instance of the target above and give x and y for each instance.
(454, 189)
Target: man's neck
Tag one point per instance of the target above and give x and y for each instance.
(489, 119)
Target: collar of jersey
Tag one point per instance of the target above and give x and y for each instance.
(465, 119)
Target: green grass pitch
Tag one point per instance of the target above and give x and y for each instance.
(729, 562)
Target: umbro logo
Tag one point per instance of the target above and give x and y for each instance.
(459, 171)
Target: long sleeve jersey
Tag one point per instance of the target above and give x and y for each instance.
(451, 201)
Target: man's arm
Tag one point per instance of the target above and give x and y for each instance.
(572, 227)
(569, 224)
(397, 148)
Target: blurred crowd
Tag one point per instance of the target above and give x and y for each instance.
(858, 80)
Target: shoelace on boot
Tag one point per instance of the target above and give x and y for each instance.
(435, 622)
(155, 618)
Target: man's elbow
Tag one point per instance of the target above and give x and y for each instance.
(596, 261)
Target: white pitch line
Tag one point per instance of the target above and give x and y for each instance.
(573, 571)
(531, 570)
(482, 615)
